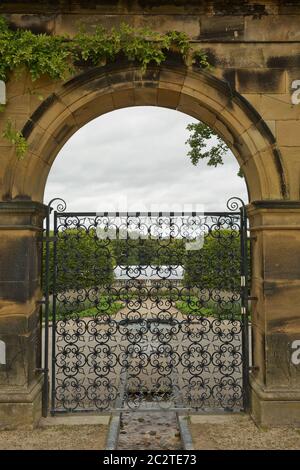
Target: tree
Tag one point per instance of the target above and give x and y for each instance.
(82, 259)
(198, 143)
(217, 264)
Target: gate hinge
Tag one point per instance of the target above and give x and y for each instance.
(243, 311)
(42, 302)
(49, 239)
(243, 281)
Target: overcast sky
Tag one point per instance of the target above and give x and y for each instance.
(135, 159)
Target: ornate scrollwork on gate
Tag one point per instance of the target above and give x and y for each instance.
(146, 309)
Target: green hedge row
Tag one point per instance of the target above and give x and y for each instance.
(85, 261)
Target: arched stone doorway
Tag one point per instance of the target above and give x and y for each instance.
(195, 93)
(274, 383)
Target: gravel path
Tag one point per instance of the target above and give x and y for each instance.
(240, 433)
(153, 431)
(55, 438)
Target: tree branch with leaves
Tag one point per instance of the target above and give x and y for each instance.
(199, 146)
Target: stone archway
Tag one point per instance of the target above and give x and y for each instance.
(274, 224)
(195, 93)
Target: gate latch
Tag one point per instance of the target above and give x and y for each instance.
(243, 281)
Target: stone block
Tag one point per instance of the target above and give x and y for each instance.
(274, 107)
(172, 77)
(222, 27)
(18, 105)
(188, 24)
(47, 110)
(224, 132)
(212, 97)
(195, 109)
(124, 78)
(93, 82)
(69, 23)
(269, 409)
(168, 99)
(260, 80)
(272, 28)
(21, 408)
(272, 126)
(123, 98)
(291, 162)
(22, 353)
(88, 108)
(36, 186)
(288, 133)
(145, 96)
(280, 247)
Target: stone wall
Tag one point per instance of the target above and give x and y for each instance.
(254, 47)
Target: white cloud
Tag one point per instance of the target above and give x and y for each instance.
(133, 158)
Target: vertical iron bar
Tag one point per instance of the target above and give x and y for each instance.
(53, 388)
(45, 394)
(244, 305)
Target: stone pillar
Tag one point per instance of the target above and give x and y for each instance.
(20, 327)
(275, 386)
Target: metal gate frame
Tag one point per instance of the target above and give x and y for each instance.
(236, 207)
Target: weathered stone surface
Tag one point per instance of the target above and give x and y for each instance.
(260, 81)
(274, 408)
(276, 284)
(272, 27)
(20, 329)
(288, 133)
(21, 407)
(148, 430)
(275, 107)
(222, 27)
(290, 158)
(255, 51)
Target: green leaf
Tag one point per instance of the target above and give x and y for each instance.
(201, 146)
(55, 56)
(15, 138)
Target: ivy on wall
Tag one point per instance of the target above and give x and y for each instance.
(16, 138)
(59, 56)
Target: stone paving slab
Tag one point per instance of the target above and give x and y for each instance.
(148, 430)
(75, 420)
(239, 432)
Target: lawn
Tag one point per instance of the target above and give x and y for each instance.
(230, 310)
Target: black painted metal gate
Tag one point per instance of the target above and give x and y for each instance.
(146, 310)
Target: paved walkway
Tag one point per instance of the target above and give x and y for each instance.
(149, 430)
(91, 350)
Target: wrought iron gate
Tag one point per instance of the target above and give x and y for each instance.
(146, 310)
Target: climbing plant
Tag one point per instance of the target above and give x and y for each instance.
(59, 56)
(16, 138)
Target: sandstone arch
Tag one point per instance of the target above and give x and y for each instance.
(255, 52)
(195, 93)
